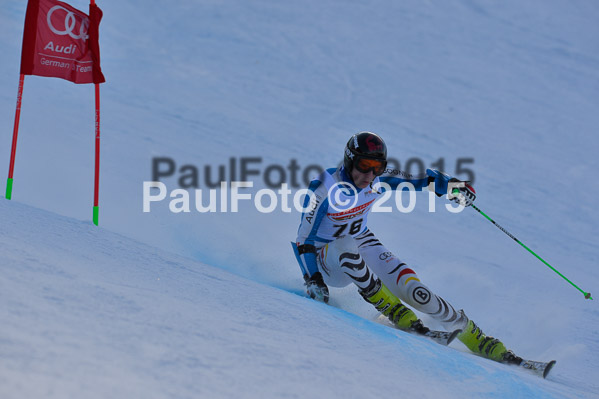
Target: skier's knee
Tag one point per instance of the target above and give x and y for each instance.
(346, 244)
(347, 253)
(336, 253)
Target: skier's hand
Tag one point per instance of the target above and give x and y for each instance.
(458, 191)
(461, 192)
(316, 288)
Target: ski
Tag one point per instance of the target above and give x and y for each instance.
(441, 337)
(541, 369)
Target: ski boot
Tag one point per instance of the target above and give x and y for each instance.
(487, 346)
(403, 317)
(389, 305)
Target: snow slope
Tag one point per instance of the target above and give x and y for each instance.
(513, 85)
(90, 313)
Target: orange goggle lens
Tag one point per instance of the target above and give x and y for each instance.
(365, 165)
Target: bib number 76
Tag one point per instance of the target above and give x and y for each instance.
(354, 228)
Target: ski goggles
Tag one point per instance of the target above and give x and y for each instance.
(366, 165)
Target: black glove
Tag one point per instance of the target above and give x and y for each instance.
(461, 192)
(316, 288)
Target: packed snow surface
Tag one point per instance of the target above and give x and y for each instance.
(166, 304)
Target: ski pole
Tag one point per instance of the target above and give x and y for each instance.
(587, 295)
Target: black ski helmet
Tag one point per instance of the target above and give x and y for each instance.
(364, 145)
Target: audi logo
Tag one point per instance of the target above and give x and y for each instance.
(69, 24)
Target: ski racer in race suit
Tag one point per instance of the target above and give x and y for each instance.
(334, 246)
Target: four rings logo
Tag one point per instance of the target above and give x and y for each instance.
(70, 20)
(385, 255)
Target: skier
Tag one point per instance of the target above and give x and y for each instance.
(334, 246)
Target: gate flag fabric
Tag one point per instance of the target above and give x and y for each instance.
(62, 42)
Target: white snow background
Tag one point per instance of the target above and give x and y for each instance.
(190, 305)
